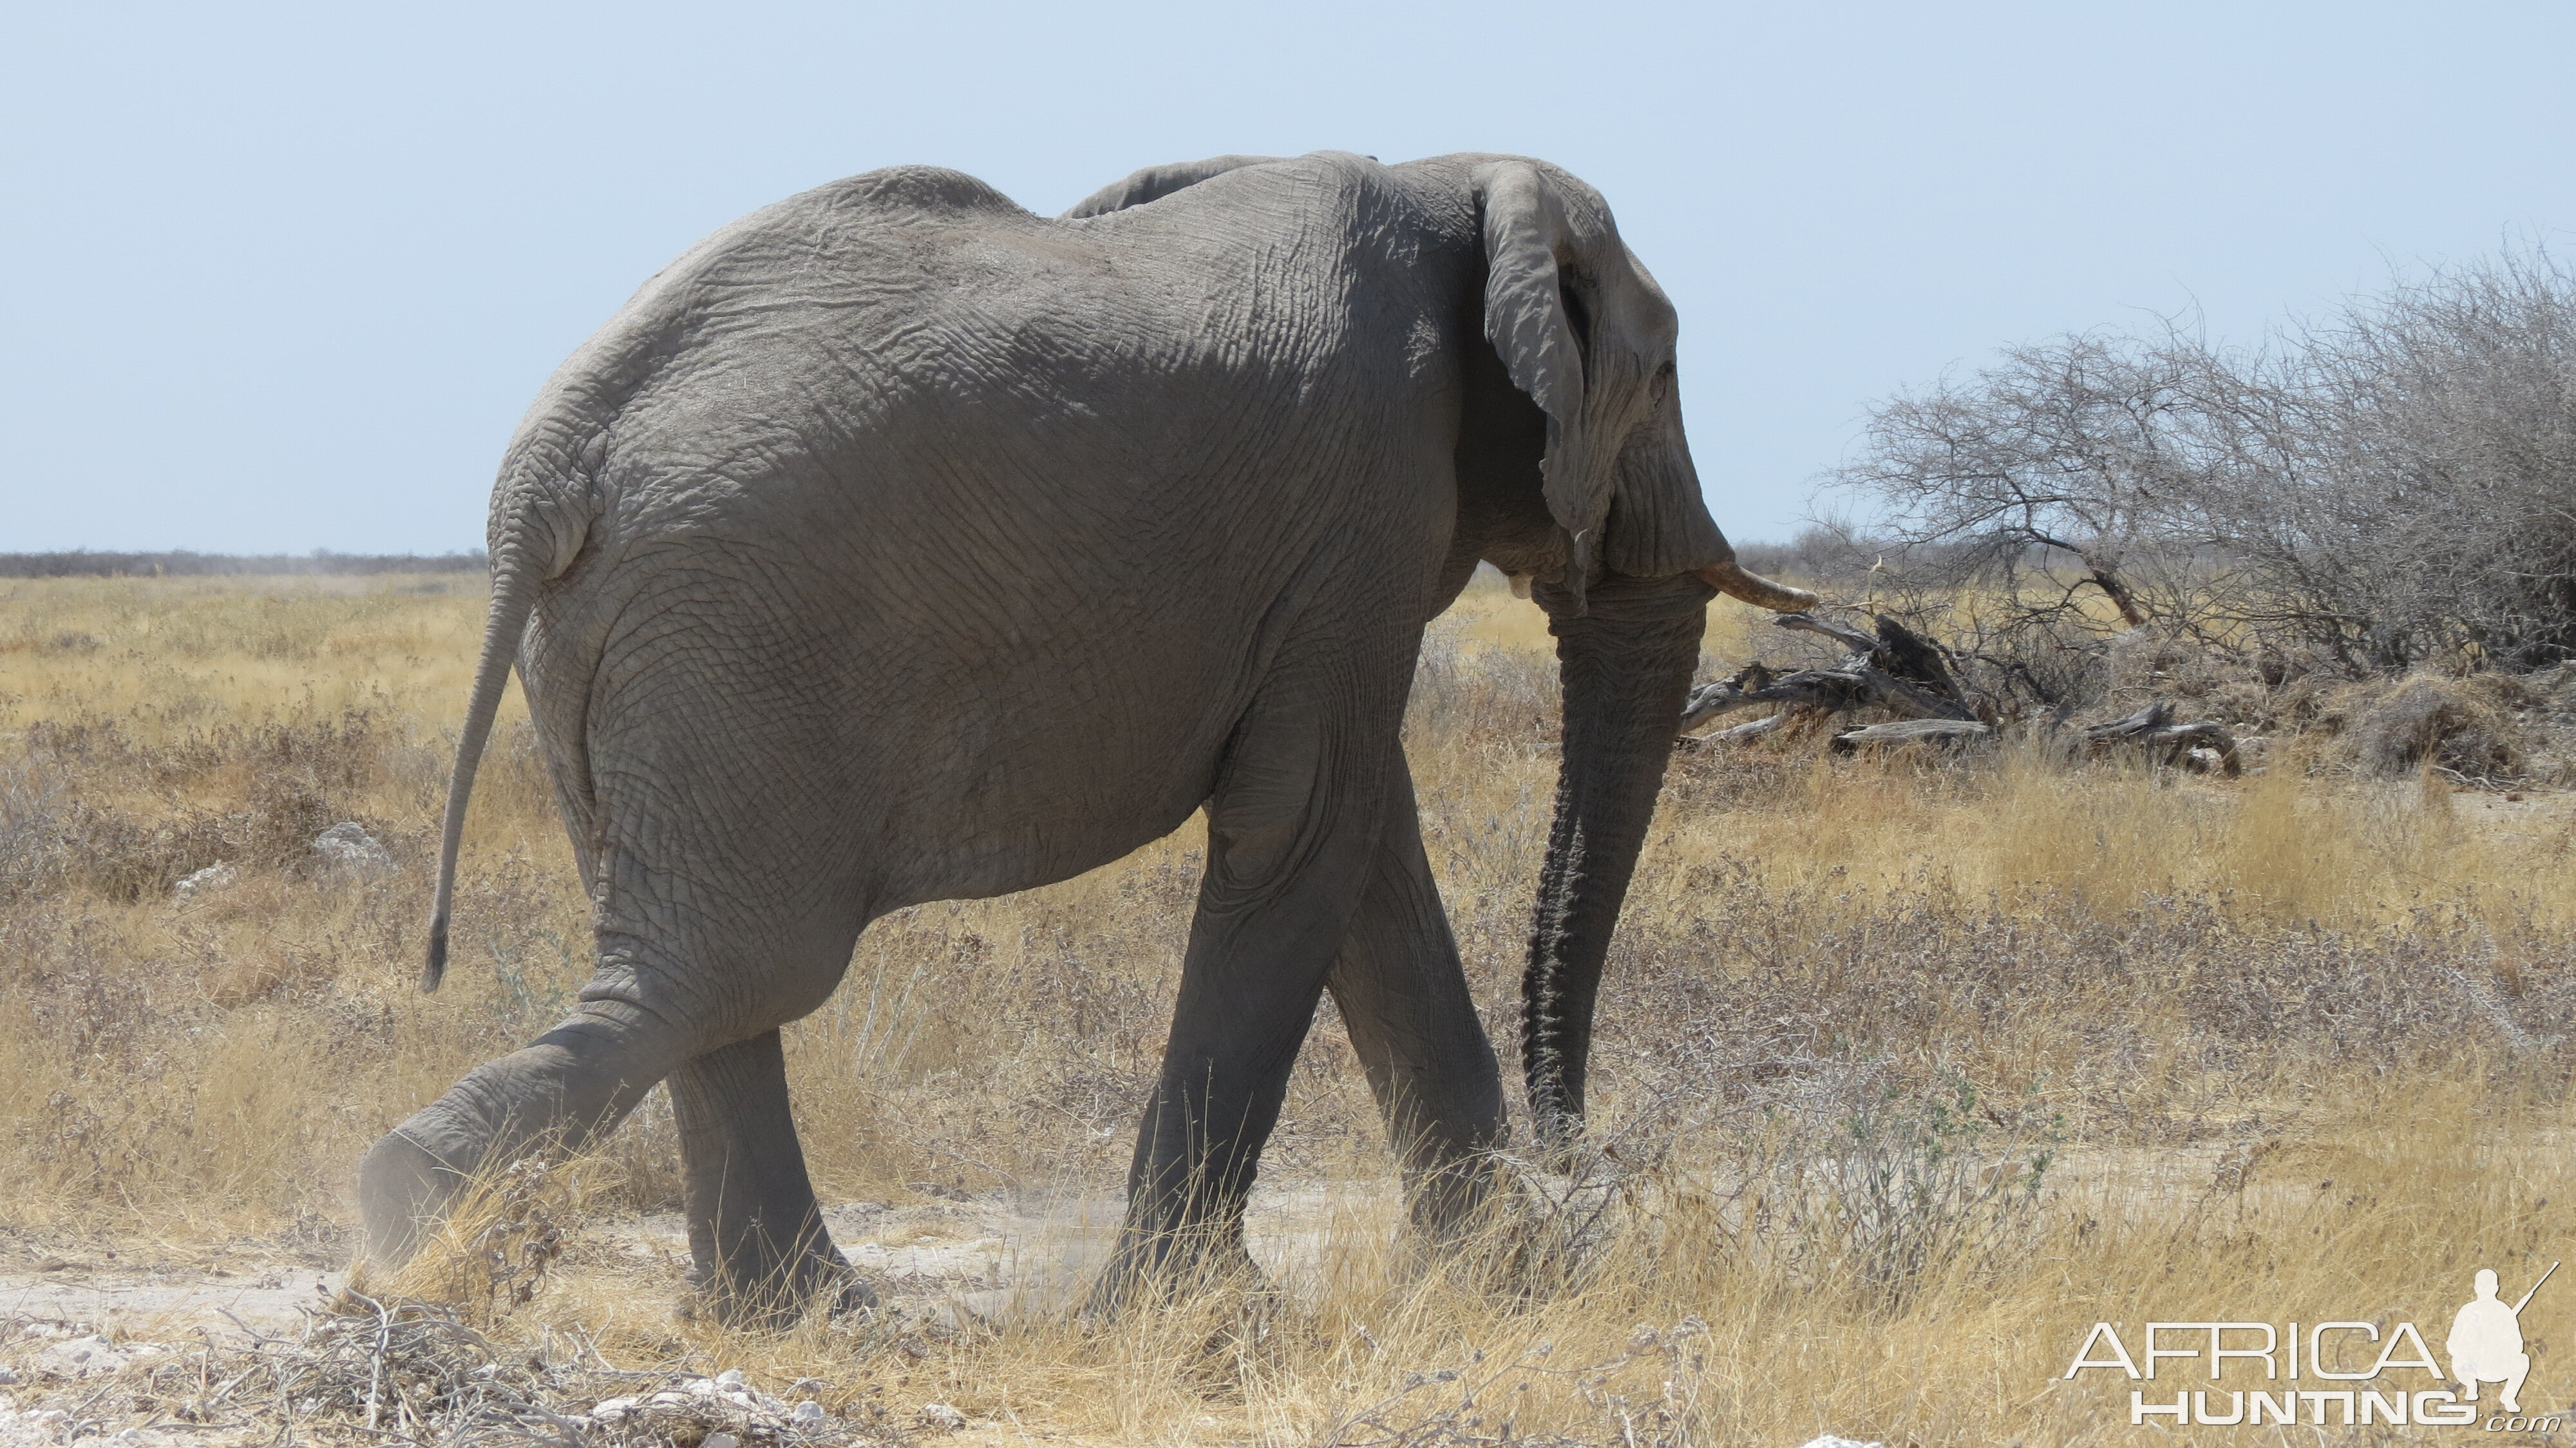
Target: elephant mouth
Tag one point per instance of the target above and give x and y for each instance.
(1739, 582)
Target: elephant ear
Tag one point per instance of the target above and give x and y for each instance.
(1156, 182)
(1586, 333)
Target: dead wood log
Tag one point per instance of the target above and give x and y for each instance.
(2129, 727)
(1755, 684)
(1912, 731)
(1899, 670)
(1744, 733)
(2153, 731)
(1741, 733)
(1908, 675)
(1910, 656)
(1850, 638)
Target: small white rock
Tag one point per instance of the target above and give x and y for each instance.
(217, 876)
(940, 1415)
(1834, 1440)
(721, 1440)
(348, 847)
(729, 1378)
(79, 1357)
(612, 1410)
(808, 1414)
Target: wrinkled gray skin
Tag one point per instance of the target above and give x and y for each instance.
(897, 545)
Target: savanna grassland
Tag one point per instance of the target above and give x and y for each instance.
(1911, 1069)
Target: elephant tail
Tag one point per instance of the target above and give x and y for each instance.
(514, 597)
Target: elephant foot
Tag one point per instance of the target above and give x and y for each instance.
(1156, 1270)
(404, 1192)
(855, 1299)
(1511, 1229)
(1458, 1201)
(815, 1281)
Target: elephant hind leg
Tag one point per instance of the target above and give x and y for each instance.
(757, 1236)
(762, 1252)
(574, 1084)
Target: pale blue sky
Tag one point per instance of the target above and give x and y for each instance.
(282, 277)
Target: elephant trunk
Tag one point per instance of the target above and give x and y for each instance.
(1625, 664)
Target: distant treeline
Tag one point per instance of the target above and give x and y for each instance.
(81, 563)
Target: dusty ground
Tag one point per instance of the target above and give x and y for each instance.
(76, 1315)
(927, 1259)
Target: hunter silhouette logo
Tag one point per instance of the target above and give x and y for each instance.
(2354, 1386)
(2486, 1342)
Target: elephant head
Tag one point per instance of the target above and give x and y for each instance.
(1625, 561)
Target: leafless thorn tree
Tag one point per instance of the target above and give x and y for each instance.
(2393, 485)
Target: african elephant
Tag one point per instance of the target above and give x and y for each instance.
(782, 553)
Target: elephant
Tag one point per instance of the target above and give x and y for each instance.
(784, 553)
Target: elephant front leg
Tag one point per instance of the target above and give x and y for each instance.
(761, 1251)
(1413, 1024)
(1233, 1043)
(1292, 824)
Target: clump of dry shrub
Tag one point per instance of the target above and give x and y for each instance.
(146, 815)
(2477, 728)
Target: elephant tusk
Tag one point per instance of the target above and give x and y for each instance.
(1520, 584)
(1738, 582)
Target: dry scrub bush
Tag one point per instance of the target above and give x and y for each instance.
(2379, 491)
(1852, 1003)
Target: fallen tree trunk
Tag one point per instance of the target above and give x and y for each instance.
(1910, 676)
(1747, 733)
(1906, 674)
(1899, 671)
(2200, 748)
(1912, 731)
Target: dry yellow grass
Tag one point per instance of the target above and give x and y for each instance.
(2296, 1046)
